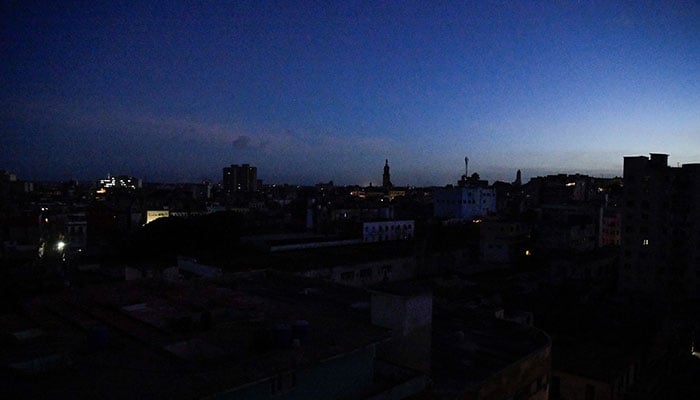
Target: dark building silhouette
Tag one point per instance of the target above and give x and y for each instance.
(386, 179)
(240, 178)
(660, 227)
(518, 179)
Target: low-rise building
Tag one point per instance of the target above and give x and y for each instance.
(503, 241)
(464, 203)
(481, 357)
(254, 336)
(380, 231)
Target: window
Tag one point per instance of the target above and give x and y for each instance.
(645, 242)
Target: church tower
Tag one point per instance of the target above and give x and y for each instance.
(386, 180)
(518, 179)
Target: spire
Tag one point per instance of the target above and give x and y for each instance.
(386, 181)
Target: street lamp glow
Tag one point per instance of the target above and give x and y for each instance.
(60, 245)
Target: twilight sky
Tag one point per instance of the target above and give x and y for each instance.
(311, 92)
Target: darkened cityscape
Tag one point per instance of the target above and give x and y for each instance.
(263, 200)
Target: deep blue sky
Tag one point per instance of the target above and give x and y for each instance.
(309, 92)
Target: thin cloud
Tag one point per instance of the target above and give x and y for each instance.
(241, 142)
(158, 146)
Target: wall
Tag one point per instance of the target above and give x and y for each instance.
(573, 387)
(528, 378)
(387, 230)
(338, 377)
(410, 319)
(464, 203)
(365, 274)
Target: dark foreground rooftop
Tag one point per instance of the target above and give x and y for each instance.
(152, 339)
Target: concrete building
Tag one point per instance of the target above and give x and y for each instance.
(660, 227)
(602, 351)
(76, 230)
(368, 272)
(240, 178)
(610, 228)
(568, 227)
(464, 203)
(406, 309)
(610, 385)
(473, 197)
(380, 231)
(503, 241)
(480, 357)
(257, 336)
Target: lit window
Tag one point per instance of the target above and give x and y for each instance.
(645, 242)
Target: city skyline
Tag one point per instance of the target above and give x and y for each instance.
(311, 93)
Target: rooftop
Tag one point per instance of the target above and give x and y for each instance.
(182, 340)
(324, 257)
(469, 348)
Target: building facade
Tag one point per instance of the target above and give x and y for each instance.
(464, 203)
(503, 241)
(380, 231)
(660, 227)
(240, 178)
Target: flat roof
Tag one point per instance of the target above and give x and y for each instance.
(153, 338)
(323, 257)
(469, 348)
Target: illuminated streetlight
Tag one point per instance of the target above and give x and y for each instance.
(60, 245)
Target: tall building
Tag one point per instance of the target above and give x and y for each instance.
(660, 227)
(240, 178)
(386, 179)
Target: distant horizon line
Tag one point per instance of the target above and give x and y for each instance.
(598, 174)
